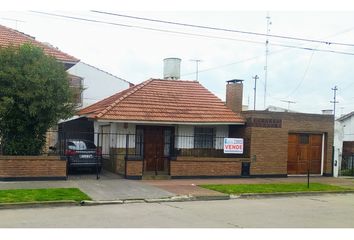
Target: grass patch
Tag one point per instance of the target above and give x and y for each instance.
(272, 188)
(42, 195)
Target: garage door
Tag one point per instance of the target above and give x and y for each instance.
(304, 152)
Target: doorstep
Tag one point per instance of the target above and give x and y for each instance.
(156, 177)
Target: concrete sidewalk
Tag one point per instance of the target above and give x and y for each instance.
(108, 188)
(190, 186)
(111, 187)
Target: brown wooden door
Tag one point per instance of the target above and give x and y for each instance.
(315, 151)
(304, 152)
(154, 148)
(292, 154)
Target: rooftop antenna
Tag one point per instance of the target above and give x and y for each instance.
(13, 20)
(266, 59)
(197, 61)
(289, 102)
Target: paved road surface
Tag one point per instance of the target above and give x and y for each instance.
(305, 212)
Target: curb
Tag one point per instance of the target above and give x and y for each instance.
(212, 197)
(287, 194)
(95, 203)
(181, 198)
(38, 204)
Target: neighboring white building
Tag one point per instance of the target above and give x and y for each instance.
(347, 123)
(337, 147)
(343, 132)
(97, 84)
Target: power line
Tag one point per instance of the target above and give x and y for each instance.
(225, 29)
(303, 77)
(200, 35)
(186, 74)
(185, 33)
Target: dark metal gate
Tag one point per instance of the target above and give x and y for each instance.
(347, 166)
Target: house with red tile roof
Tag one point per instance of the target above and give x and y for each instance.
(13, 37)
(171, 128)
(152, 128)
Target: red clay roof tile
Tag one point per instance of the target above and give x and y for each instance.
(10, 36)
(158, 100)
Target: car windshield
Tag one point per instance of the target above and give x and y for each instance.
(80, 145)
(90, 145)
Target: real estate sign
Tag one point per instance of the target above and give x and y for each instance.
(233, 145)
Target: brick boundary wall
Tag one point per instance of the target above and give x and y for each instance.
(14, 168)
(134, 169)
(206, 167)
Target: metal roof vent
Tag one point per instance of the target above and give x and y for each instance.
(172, 68)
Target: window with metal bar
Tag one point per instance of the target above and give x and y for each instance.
(139, 142)
(204, 137)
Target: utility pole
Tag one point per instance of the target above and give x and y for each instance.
(288, 103)
(197, 61)
(255, 92)
(335, 89)
(266, 60)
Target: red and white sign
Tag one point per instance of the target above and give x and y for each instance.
(233, 145)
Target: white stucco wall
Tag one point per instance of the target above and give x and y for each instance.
(348, 129)
(338, 146)
(113, 135)
(98, 84)
(343, 131)
(122, 132)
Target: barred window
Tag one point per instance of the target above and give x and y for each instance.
(139, 142)
(204, 137)
(167, 142)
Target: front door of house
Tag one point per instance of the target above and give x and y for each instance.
(154, 159)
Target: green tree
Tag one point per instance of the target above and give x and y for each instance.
(34, 96)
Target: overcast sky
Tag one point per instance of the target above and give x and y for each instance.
(303, 76)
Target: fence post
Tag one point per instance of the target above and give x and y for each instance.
(126, 154)
(97, 157)
(308, 173)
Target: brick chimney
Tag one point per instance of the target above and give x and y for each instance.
(234, 92)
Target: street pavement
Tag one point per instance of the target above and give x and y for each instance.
(325, 211)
